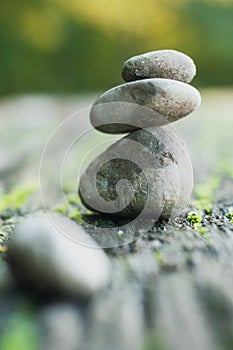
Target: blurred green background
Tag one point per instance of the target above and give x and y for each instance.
(78, 45)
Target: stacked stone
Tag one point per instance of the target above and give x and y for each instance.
(156, 93)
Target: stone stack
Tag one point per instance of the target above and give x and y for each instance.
(149, 170)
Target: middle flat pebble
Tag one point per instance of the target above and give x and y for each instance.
(117, 111)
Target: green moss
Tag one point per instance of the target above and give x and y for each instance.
(158, 256)
(74, 199)
(230, 216)
(70, 211)
(20, 334)
(203, 204)
(199, 228)
(76, 215)
(16, 198)
(62, 209)
(73, 208)
(194, 217)
(208, 210)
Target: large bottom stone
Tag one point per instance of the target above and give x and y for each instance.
(145, 174)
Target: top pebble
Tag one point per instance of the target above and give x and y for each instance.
(168, 64)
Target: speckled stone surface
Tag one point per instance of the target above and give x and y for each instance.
(156, 164)
(170, 100)
(169, 64)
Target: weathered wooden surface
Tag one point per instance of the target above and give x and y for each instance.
(172, 288)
